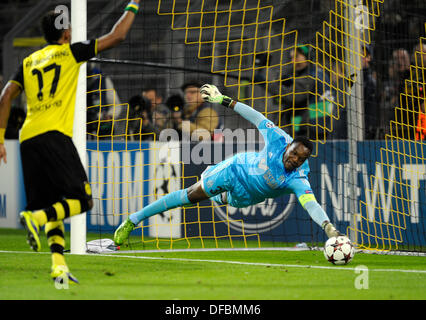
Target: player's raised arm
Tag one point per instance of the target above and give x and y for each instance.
(10, 92)
(211, 94)
(120, 29)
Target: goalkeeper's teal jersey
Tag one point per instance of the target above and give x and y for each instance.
(250, 178)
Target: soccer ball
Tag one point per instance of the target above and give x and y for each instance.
(339, 250)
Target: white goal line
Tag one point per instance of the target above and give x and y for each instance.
(258, 264)
(378, 252)
(213, 249)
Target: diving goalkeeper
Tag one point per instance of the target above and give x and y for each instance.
(245, 179)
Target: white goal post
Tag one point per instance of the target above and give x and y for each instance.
(79, 33)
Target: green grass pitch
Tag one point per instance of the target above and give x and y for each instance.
(208, 275)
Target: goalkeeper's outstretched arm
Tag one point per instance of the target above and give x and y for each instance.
(211, 94)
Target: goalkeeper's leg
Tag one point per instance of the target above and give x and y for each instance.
(214, 180)
(175, 199)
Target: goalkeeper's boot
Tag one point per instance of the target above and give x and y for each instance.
(62, 275)
(123, 231)
(330, 230)
(31, 225)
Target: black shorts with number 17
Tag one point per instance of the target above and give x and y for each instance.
(52, 171)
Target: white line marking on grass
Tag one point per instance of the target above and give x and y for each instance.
(258, 264)
(211, 249)
(262, 264)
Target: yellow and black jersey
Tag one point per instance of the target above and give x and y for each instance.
(49, 77)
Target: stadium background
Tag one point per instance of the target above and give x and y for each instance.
(163, 58)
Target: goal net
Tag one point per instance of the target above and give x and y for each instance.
(349, 74)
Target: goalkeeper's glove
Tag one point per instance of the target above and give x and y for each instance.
(211, 93)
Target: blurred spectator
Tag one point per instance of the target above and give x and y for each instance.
(421, 119)
(398, 71)
(339, 87)
(305, 95)
(102, 100)
(372, 112)
(399, 64)
(419, 55)
(394, 85)
(321, 105)
(303, 87)
(175, 103)
(419, 62)
(408, 117)
(154, 97)
(140, 125)
(160, 113)
(201, 116)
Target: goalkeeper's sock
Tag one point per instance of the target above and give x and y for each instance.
(169, 201)
(60, 211)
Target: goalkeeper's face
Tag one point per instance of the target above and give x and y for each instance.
(295, 155)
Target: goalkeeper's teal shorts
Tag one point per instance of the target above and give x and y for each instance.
(217, 178)
(221, 178)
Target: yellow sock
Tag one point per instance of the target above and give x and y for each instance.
(41, 217)
(74, 206)
(58, 211)
(56, 241)
(58, 259)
